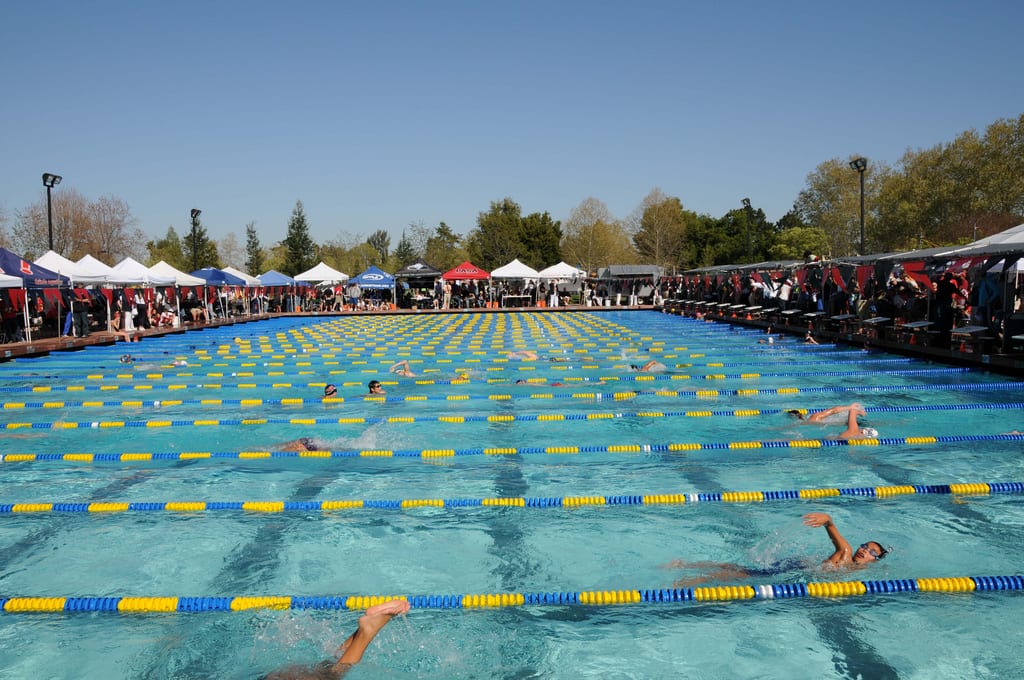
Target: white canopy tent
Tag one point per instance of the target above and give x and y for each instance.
(515, 270)
(78, 274)
(561, 271)
(93, 267)
(321, 273)
(251, 281)
(10, 281)
(162, 269)
(129, 271)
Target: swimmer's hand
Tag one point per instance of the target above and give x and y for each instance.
(817, 519)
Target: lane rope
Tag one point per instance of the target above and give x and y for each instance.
(662, 596)
(106, 508)
(502, 451)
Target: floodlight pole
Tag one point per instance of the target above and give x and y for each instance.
(746, 204)
(196, 212)
(860, 165)
(49, 181)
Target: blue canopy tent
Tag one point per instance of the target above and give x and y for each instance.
(33, 277)
(375, 278)
(274, 278)
(219, 277)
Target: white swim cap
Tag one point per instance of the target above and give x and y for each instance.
(869, 432)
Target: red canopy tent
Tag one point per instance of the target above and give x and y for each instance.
(467, 271)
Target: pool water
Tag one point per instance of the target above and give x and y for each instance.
(583, 425)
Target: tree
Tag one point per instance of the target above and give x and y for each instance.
(404, 253)
(300, 246)
(380, 241)
(198, 248)
(253, 251)
(230, 251)
(831, 202)
(498, 236)
(169, 250)
(659, 234)
(80, 227)
(792, 243)
(594, 239)
(541, 239)
(444, 249)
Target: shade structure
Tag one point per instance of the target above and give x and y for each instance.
(218, 277)
(418, 270)
(374, 278)
(276, 278)
(321, 273)
(129, 271)
(467, 271)
(94, 267)
(561, 271)
(10, 281)
(31, 275)
(249, 280)
(514, 270)
(78, 274)
(161, 268)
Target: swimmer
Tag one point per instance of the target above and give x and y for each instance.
(126, 359)
(843, 557)
(351, 651)
(853, 429)
(375, 388)
(179, 363)
(809, 339)
(523, 355)
(302, 444)
(551, 384)
(652, 366)
(403, 369)
(330, 390)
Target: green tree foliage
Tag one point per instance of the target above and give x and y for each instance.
(792, 243)
(405, 253)
(444, 249)
(498, 236)
(380, 241)
(831, 202)
(660, 230)
(253, 251)
(302, 253)
(594, 239)
(169, 250)
(197, 241)
(541, 239)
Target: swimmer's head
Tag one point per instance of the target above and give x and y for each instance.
(634, 367)
(520, 382)
(872, 551)
(869, 432)
(374, 386)
(330, 390)
(795, 413)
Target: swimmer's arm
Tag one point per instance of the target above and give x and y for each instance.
(843, 552)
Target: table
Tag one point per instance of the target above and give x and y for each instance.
(515, 300)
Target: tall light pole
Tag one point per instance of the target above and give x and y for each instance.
(50, 181)
(746, 204)
(860, 165)
(196, 212)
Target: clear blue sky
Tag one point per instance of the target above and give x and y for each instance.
(376, 115)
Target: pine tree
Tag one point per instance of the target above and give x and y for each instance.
(301, 253)
(253, 251)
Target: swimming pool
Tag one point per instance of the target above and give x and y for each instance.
(606, 438)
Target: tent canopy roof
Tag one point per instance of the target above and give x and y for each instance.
(31, 274)
(249, 280)
(514, 270)
(374, 277)
(464, 272)
(417, 270)
(561, 271)
(322, 272)
(218, 277)
(130, 271)
(162, 269)
(76, 272)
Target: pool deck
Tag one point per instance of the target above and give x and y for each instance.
(1009, 364)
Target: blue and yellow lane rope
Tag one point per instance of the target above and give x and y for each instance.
(622, 500)
(661, 392)
(590, 598)
(441, 419)
(431, 454)
(639, 378)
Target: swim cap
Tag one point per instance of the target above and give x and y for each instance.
(869, 432)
